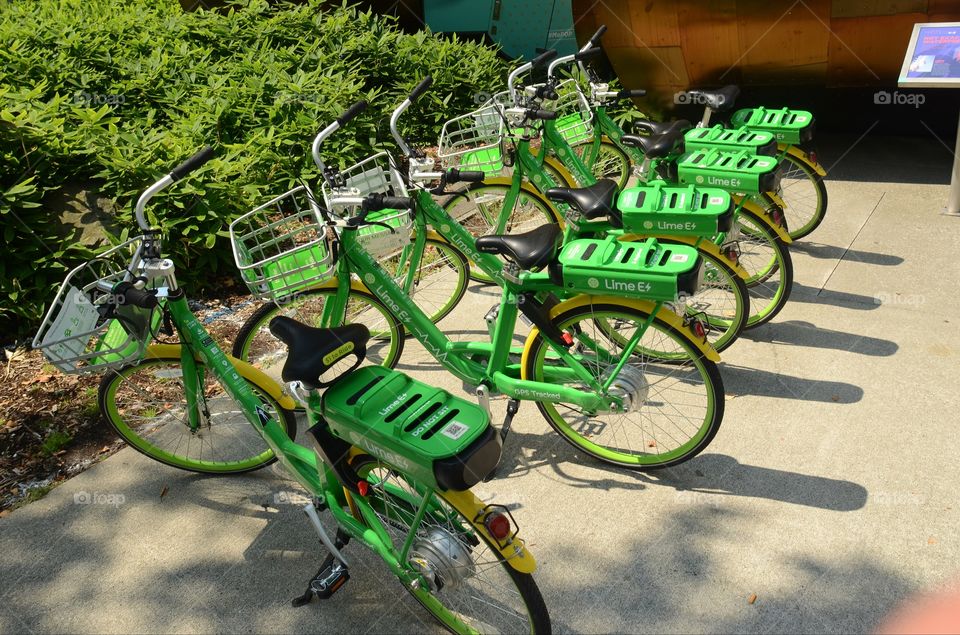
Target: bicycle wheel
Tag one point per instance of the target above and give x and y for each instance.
(672, 409)
(478, 207)
(470, 585)
(804, 196)
(611, 162)
(723, 302)
(257, 345)
(769, 265)
(440, 280)
(146, 404)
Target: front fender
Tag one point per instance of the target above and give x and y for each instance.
(646, 306)
(698, 243)
(526, 188)
(803, 156)
(515, 553)
(256, 376)
(762, 217)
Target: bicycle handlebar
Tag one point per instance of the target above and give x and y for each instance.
(420, 88)
(523, 68)
(595, 38)
(195, 162)
(347, 115)
(456, 176)
(541, 115)
(417, 91)
(198, 159)
(137, 297)
(352, 112)
(543, 58)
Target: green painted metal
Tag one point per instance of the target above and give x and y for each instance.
(682, 211)
(401, 420)
(730, 139)
(645, 268)
(789, 126)
(741, 172)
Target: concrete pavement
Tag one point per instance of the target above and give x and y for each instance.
(829, 492)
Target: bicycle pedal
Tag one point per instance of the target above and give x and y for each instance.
(328, 581)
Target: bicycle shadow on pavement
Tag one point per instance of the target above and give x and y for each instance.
(714, 568)
(842, 299)
(740, 380)
(711, 474)
(823, 251)
(800, 333)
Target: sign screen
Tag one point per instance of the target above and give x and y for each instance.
(933, 56)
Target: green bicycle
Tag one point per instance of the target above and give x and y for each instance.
(626, 381)
(782, 133)
(749, 271)
(395, 479)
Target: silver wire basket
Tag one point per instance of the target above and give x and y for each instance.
(474, 141)
(281, 247)
(376, 174)
(574, 114)
(85, 330)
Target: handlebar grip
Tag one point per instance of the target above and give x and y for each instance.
(585, 55)
(352, 112)
(396, 202)
(420, 88)
(546, 92)
(137, 297)
(543, 58)
(191, 164)
(542, 115)
(636, 92)
(599, 34)
(456, 176)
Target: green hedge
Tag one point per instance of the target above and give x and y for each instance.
(109, 95)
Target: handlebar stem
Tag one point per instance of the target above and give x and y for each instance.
(566, 59)
(394, 118)
(512, 78)
(315, 150)
(149, 193)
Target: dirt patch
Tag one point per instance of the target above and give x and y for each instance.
(50, 423)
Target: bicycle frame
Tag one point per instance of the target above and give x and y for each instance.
(303, 463)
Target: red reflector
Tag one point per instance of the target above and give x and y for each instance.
(363, 487)
(567, 339)
(498, 525)
(698, 329)
(813, 157)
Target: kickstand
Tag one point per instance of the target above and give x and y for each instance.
(512, 407)
(329, 578)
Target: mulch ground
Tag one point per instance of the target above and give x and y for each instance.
(50, 423)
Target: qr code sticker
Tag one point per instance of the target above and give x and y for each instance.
(454, 430)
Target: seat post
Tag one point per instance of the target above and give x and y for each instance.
(705, 121)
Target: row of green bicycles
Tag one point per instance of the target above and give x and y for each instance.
(634, 259)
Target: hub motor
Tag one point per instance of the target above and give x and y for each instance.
(442, 559)
(630, 385)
